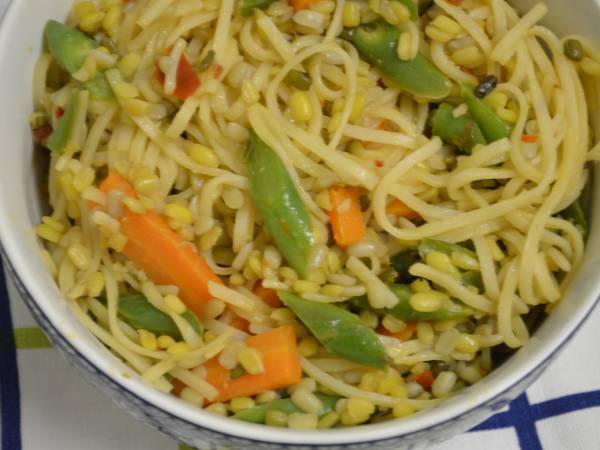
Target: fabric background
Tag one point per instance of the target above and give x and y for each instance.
(45, 404)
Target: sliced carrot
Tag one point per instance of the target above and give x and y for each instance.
(187, 80)
(232, 319)
(302, 4)
(346, 217)
(398, 208)
(280, 359)
(425, 379)
(403, 335)
(269, 296)
(162, 253)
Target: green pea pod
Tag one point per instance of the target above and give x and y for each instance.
(99, 88)
(60, 136)
(280, 205)
(472, 278)
(462, 132)
(402, 262)
(403, 310)
(339, 331)
(377, 43)
(427, 245)
(140, 314)
(574, 213)
(492, 127)
(69, 46)
(247, 7)
(259, 413)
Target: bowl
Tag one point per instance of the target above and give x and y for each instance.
(21, 206)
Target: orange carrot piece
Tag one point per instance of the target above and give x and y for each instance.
(302, 4)
(232, 319)
(345, 215)
(398, 208)
(403, 335)
(529, 138)
(269, 296)
(280, 359)
(425, 379)
(187, 80)
(162, 253)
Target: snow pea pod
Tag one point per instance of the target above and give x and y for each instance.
(70, 47)
(60, 136)
(140, 314)
(247, 7)
(492, 127)
(462, 132)
(339, 331)
(403, 310)
(377, 43)
(258, 413)
(427, 245)
(280, 205)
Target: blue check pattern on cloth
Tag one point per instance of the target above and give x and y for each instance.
(45, 405)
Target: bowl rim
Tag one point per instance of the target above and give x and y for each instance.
(448, 412)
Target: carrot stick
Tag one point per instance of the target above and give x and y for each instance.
(425, 379)
(161, 252)
(280, 360)
(403, 335)
(345, 215)
(398, 208)
(269, 296)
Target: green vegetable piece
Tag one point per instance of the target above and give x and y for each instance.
(472, 278)
(427, 245)
(403, 310)
(139, 313)
(377, 43)
(574, 213)
(60, 136)
(68, 45)
(280, 205)
(573, 49)
(239, 371)
(99, 88)
(299, 80)
(462, 132)
(492, 127)
(339, 331)
(247, 7)
(258, 413)
(411, 5)
(206, 62)
(402, 262)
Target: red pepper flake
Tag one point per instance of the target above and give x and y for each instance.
(59, 112)
(425, 379)
(378, 163)
(42, 133)
(218, 71)
(529, 138)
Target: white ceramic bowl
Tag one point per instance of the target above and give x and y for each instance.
(21, 207)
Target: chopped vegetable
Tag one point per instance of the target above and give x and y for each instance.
(99, 87)
(68, 45)
(377, 42)
(404, 335)
(486, 86)
(574, 213)
(206, 62)
(339, 331)
(573, 49)
(346, 217)
(247, 7)
(269, 296)
(162, 253)
(492, 127)
(398, 208)
(140, 314)
(401, 262)
(403, 310)
(235, 321)
(258, 413)
(280, 205)
(462, 132)
(299, 80)
(425, 379)
(280, 359)
(302, 4)
(59, 138)
(529, 138)
(411, 5)
(427, 245)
